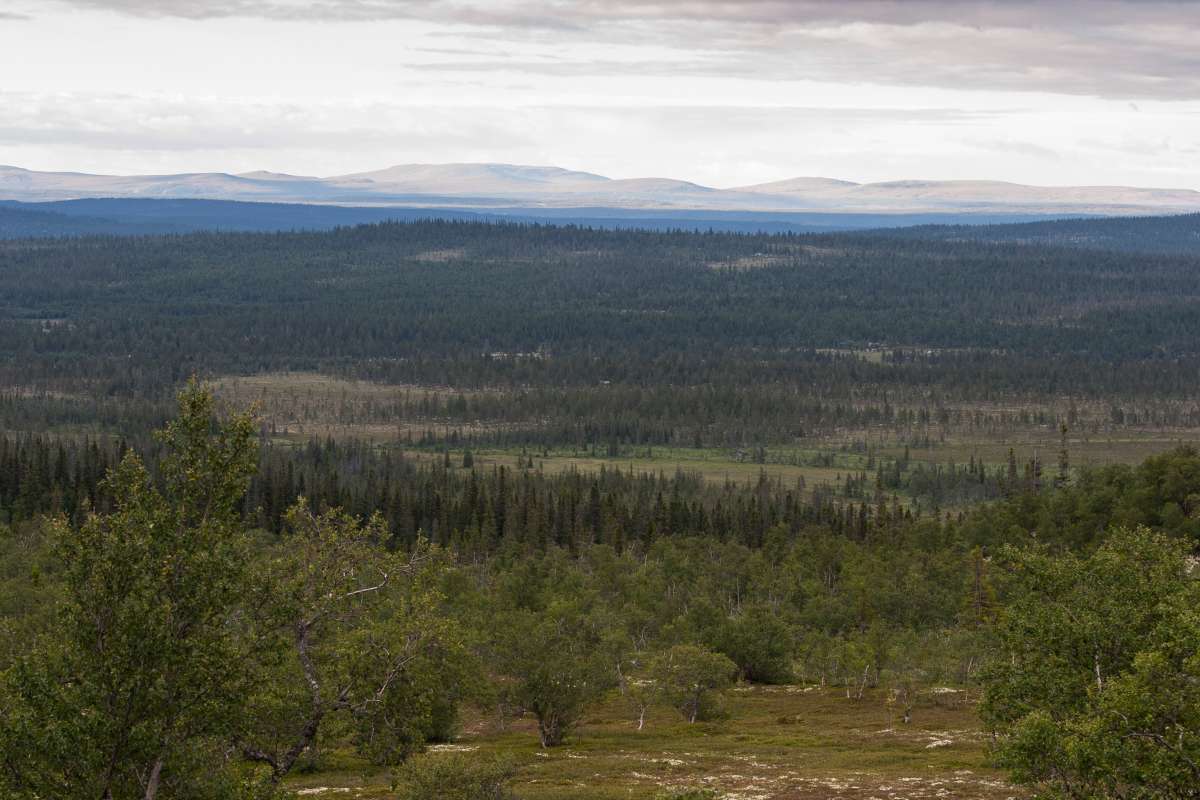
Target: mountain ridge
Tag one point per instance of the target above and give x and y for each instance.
(486, 184)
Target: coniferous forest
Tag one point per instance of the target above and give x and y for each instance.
(466, 510)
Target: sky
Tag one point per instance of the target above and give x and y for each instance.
(724, 93)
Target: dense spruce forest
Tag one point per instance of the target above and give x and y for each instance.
(419, 301)
(1174, 234)
(140, 216)
(430, 503)
(667, 337)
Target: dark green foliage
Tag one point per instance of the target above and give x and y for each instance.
(141, 675)
(610, 338)
(1163, 492)
(691, 678)
(462, 507)
(1175, 234)
(453, 776)
(555, 663)
(179, 643)
(547, 585)
(346, 633)
(1095, 692)
(759, 643)
(775, 584)
(421, 706)
(29, 588)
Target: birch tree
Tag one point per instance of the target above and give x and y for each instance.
(345, 628)
(1096, 691)
(142, 676)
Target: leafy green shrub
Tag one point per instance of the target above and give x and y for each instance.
(1096, 692)
(690, 678)
(454, 776)
(759, 643)
(558, 663)
(421, 706)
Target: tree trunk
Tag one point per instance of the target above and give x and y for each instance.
(304, 741)
(281, 765)
(550, 730)
(862, 685)
(155, 775)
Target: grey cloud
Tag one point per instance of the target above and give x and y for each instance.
(587, 15)
(1112, 48)
(557, 13)
(1152, 69)
(483, 14)
(759, 116)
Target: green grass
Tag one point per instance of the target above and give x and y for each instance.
(1125, 447)
(303, 405)
(778, 742)
(714, 466)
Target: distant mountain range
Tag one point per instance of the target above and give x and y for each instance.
(497, 186)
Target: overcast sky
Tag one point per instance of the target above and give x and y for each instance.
(722, 93)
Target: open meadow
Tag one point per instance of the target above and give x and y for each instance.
(778, 743)
(299, 407)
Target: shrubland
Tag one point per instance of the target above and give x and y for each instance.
(184, 651)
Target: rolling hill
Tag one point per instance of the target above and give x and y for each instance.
(496, 186)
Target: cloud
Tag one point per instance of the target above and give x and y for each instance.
(588, 14)
(1110, 48)
(133, 123)
(166, 123)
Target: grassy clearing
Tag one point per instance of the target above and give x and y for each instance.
(299, 406)
(283, 390)
(779, 743)
(870, 355)
(718, 466)
(713, 468)
(1127, 447)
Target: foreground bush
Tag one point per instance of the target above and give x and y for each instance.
(454, 776)
(690, 679)
(1097, 691)
(558, 664)
(760, 644)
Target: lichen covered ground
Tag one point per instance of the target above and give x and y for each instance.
(778, 743)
